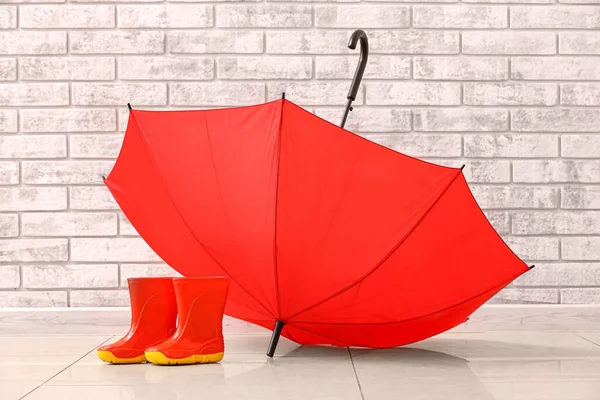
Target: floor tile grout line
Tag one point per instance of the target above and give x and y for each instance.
(360, 389)
(64, 369)
(588, 340)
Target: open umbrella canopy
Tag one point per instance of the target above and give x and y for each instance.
(341, 240)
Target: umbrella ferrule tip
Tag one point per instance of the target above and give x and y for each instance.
(129, 106)
(463, 167)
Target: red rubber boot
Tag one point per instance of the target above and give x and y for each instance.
(199, 336)
(153, 320)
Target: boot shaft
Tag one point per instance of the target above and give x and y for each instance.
(154, 295)
(200, 307)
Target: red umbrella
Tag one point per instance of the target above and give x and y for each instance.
(345, 241)
(328, 238)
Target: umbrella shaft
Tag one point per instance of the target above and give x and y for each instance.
(348, 109)
(275, 338)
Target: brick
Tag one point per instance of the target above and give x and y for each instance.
(525, 296)
(580, 296)
(556, 222)
(99, 298)
(583, 146)
(34, 94)
(370, 119)
(123, 118)
(67, 16)
(556, 171)
(68, 120)
(499, 220)
(555, 68)
(65, 172)
(120, 42)
(421, 145)
(251, 68)
(111, 249)
(69, 224)
(9, 277)
(561, 274)
(264, 16)
(307, 42)
(413, 93)
(414, 42)
(534, 248)
(580, 94)
(91, 198)
(95, 146)
(8, 121)
(9, 172)
(34, 1)
(461, 119)
(70, 276)
(165, 16)
(8, 17)
(216, 94)
(509, 94)
(303, 1)
(29, 42)
(33, 299)
(460, 16)
(495, 196)
(579, 42)
(216, 41)
(555, 120)
(513, 145)
(145, 270)
(9, 226)
(443, 68)
(563, 17)
(380, 67)
(119, 1)
(67, 68)
(33, 198)
(113, 94)
(485, 42)
(8, 70)
(493, 171)
(33, 146)
(373, 16)
(581, 248)
(25, 250)
(125, 227)
(313, 93)
(580, 197)
(166, 68)
(512, 1)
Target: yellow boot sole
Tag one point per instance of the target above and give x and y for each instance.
(109, 357)
(159, 358)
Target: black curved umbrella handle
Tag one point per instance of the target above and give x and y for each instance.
(358, 34)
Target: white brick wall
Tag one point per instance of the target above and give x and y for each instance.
(511, 89)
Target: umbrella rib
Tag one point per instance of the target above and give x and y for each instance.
(420, 316)
(153, 162)
(384, 259)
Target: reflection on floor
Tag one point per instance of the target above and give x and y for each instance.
(492, 365)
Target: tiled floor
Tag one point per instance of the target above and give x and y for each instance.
(528, 365)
